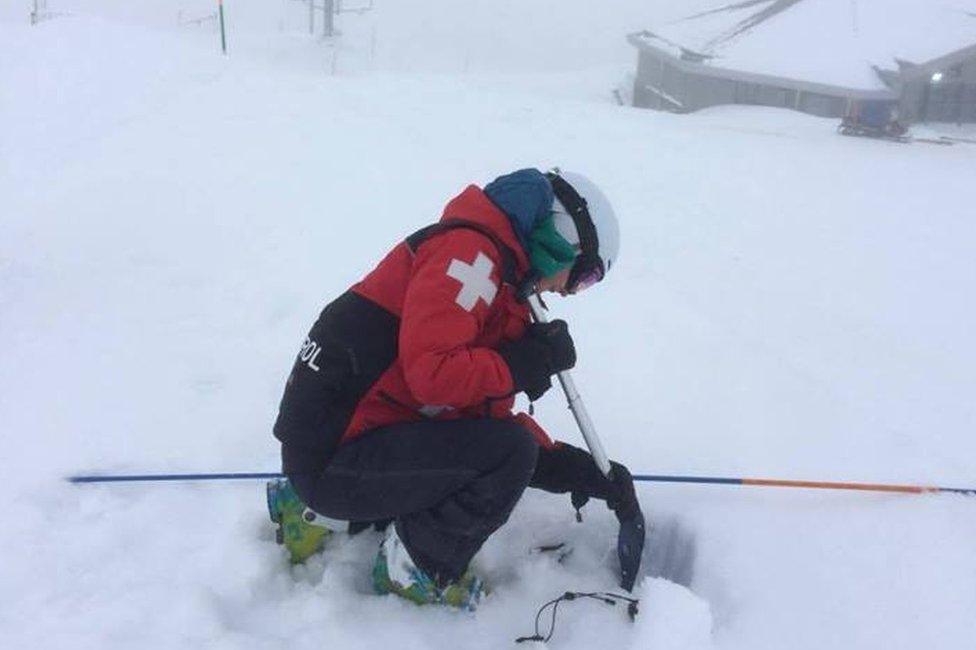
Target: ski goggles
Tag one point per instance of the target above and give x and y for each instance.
(582, 277)
(588, 268)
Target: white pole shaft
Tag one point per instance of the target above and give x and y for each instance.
(575, 401)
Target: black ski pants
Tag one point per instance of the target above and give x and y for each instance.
(448, 484)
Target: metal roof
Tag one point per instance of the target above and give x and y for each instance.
(644, 41)
(833, 42)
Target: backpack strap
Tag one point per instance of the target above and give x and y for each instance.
(509, 266)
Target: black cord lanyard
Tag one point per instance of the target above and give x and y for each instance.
(601, 596)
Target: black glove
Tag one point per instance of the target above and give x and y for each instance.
(566, 468)
(544, 350)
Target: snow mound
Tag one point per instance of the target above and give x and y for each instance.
(673, 618)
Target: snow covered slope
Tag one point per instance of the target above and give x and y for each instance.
(788, 303)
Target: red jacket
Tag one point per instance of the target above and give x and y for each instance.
(454, 311)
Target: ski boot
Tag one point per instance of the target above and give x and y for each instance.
(300, 529)
(394, 572)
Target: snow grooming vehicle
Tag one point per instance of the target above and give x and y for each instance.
(874, 119)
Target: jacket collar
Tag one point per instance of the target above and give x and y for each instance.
(473, 205)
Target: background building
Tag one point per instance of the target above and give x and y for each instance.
(940, 90)
(815, 56)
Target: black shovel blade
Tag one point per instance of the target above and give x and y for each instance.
(630, 548)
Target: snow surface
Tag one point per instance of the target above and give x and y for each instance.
(789, 303)
(826, 41)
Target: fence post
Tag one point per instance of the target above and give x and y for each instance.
(223, 35)
(328, 15)
(38, 7)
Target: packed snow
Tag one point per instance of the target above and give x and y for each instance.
(788, 303)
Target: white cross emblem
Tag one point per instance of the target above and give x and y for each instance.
(475, 281)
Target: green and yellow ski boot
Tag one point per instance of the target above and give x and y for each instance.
(300, 529)
(394, 572)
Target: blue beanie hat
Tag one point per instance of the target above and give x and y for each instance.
(526, 197)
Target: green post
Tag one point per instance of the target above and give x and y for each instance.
(223, 34)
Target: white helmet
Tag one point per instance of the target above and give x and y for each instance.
(575, 229)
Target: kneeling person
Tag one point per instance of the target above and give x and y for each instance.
(399, 406)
